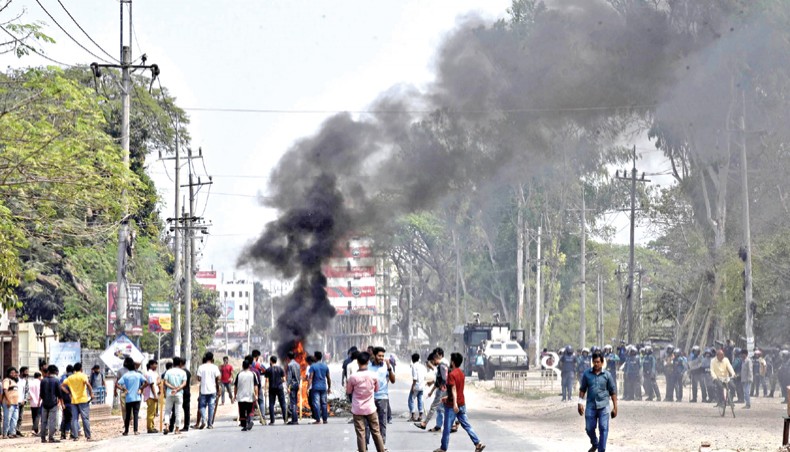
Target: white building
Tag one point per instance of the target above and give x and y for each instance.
(235, 298)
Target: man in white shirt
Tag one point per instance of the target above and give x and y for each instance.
(418, 373)
(247, 389)
(208, 375)
(175, 380)
(151, 394)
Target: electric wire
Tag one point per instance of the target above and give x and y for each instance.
(70, 36)
(32, 49)
(85, 32)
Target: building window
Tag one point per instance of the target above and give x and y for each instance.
(247, 294)
(233, 294)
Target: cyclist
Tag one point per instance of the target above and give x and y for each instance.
(722, 372)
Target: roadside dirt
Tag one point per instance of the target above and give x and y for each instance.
(639, 426)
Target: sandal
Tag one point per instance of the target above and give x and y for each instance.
(435, 429)
(419, 425)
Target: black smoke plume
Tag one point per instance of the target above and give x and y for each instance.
(502, 93)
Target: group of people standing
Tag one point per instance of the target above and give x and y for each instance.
(57, 402)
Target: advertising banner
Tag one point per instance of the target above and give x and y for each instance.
(229, 309)
(64, 354)
(134, 309)
(346, 292)
(159, 318)
(117, 351)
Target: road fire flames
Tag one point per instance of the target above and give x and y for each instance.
(300, 355)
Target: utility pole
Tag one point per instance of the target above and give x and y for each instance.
(599, 297)
(630, 288)
(189, 223)
(411, 296)
(746, 255)
(520, 257)
(125, 237)
(583, 303)
(177, 271)
(538, 302)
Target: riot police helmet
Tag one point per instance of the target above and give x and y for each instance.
(648, 350)
(607, 348)
(695, 349)
(585, 350)
(670, 349)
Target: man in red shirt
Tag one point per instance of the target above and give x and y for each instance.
(455, 405)
(226, 378)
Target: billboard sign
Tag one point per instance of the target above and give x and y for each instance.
(134, 309)
(159, 318)
(120, 348)
(229, 309)
(64, 354)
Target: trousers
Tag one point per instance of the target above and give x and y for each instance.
(49, 422)
(368, 423)
(450, 417)
(174, 404)
(597, 417)
(132, 409)
(279, 394)
(151, 406)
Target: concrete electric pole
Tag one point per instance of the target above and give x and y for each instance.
(629, 293)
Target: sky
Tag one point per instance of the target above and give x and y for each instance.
(303, 59)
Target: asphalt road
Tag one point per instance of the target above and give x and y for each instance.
(338, 434)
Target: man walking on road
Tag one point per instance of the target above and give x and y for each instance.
(175, 380)
(418, 372)
(208, 376)
(439, 390)
(51, 399)
(226, 378)
(246, 389)
(455, 405)
(361, 386)
(598, 386)
(293, 373)
(80, 389)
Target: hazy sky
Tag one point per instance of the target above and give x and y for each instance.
(297, 57)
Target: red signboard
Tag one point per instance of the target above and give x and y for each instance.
(353, 292)
(207, 274)
(349, 273)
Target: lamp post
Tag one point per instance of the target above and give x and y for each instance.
(38, 325)
(13, 327)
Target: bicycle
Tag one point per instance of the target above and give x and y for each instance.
(726, 399)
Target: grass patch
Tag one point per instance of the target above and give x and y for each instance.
(527, 395)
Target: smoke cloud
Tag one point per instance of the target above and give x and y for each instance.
(501, 91)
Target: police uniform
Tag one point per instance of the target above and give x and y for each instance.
(567, 371)
(631, 371)
(649, 377)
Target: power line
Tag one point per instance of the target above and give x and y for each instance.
(84, 32)
(33, 49)
(324, 112)
(69, 35)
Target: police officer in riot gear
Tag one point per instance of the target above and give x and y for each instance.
(784, 373)
(612, 361)
(631, 370)
(680, 366)
(707, 379)
(567, 372)
(695, 372)
(582, 363)
(649, 375)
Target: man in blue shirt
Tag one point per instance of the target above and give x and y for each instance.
(385, 375)
(598, 387)
(132, 383)
(320, 383)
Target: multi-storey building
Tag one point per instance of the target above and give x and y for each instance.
(356, 286)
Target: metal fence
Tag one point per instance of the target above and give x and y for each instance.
(512, 381)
